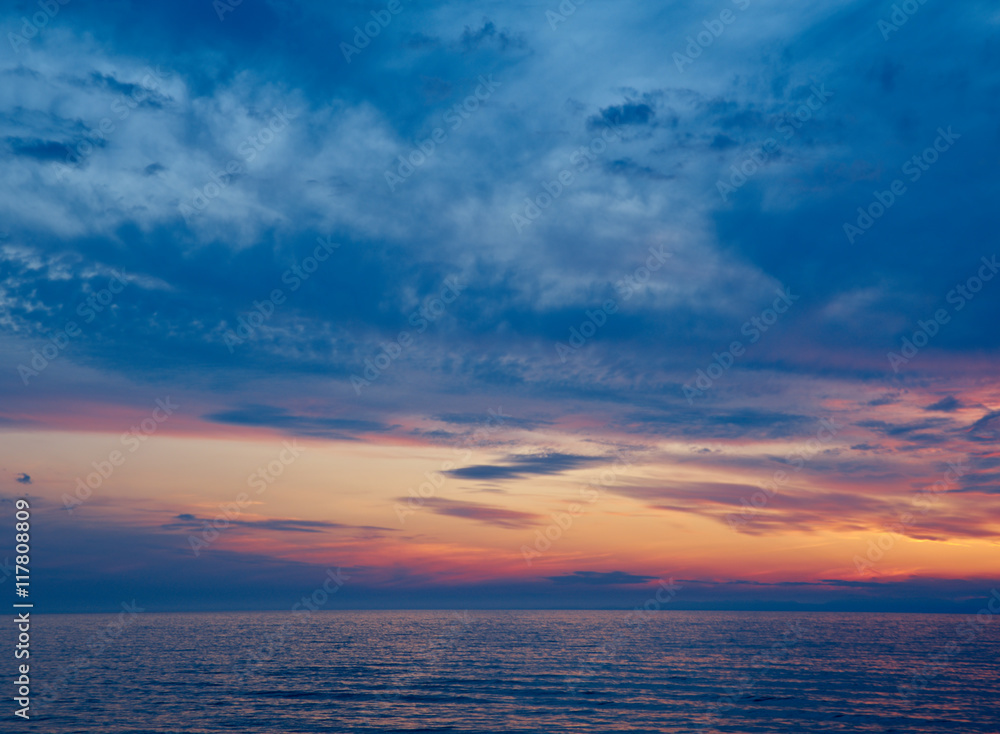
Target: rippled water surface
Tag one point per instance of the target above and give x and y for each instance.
(514, 672)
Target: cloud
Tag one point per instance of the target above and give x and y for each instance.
(160, 571)
(656, 183)
(601, 578)
(519, 466)
(796, 508)
(488, 33)
(624, 114)
(23, 479)
(465, 419)
(947, 404)
(986, 429)
(908, 431)
(187, 521)
(42, 150)
(267, 416)
(720, 422)
(499, 517)
(884, 400)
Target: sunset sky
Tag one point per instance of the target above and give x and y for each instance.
(487, 308)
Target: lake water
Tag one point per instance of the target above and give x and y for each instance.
(512, 671)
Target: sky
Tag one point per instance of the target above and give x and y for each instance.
(487, 305)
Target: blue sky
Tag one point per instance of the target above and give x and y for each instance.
(460, 272)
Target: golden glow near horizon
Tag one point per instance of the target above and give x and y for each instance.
(722, 509)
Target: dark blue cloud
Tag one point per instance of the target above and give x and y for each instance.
(624, 114)
(520, 466)
(601, 578)
(42, 150)
(488, 33)
(947, 404)
(710, 420)
(280, 418)
(986, 429)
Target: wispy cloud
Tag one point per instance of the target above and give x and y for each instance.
(187, 521)
(515, 467)
(487, 514)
